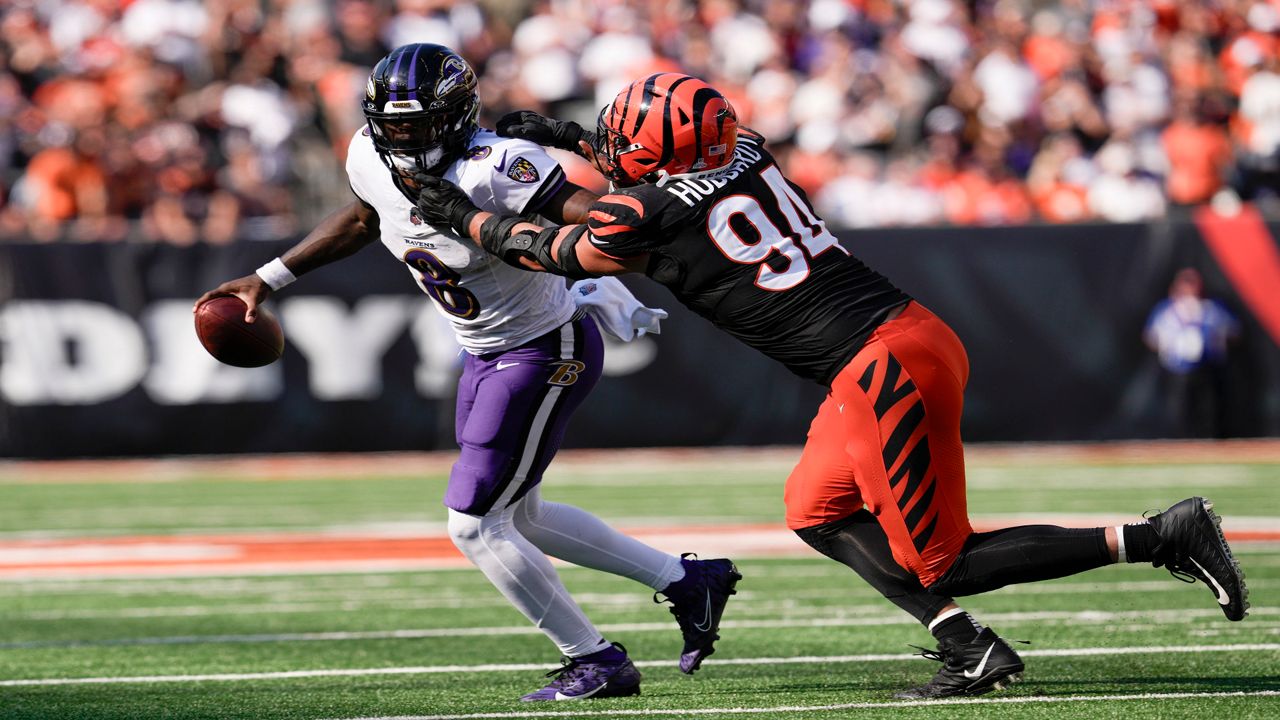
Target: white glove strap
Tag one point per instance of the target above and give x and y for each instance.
(275, 274)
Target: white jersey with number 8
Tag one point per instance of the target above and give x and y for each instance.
(492, 306)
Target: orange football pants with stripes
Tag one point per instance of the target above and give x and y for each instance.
(888, 437)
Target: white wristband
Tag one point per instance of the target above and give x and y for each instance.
(275, 274)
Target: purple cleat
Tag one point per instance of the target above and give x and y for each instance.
(697, 601)
(604, 674)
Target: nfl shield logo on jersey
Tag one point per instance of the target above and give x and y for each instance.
(523, 171)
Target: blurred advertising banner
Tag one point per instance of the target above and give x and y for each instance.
(98, 355)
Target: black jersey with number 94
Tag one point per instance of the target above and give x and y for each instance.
(745, 250)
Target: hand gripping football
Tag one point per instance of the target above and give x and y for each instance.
(224, 333)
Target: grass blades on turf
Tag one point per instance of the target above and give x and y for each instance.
(803, 634)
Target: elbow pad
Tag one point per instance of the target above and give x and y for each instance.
(496, 238)
(567, 256)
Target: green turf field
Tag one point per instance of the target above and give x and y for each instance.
(802, 635)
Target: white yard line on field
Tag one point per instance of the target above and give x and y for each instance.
(1124, 586)
(527, 667)
(339, 586)
(1159, 617)
(823, 708)
(337, 603)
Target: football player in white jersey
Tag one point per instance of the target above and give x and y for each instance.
(531, 358)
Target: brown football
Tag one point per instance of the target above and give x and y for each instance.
(224, 333)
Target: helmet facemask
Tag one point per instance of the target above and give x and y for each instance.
(411, 142)
(611, 146)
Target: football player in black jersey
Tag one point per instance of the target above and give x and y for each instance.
(700, 206)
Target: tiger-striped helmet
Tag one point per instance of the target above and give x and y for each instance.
(665, 125)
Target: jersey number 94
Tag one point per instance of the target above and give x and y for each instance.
(808, 238)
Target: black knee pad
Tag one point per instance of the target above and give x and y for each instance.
(942, 588)
(813, 537)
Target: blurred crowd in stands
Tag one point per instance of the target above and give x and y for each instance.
(188, 121)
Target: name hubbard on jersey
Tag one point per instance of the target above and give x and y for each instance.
(693, 190)
(744, 249)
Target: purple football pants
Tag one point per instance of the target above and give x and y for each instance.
(513, 408)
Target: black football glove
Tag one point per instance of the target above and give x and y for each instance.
(443, 205)
(529, 125)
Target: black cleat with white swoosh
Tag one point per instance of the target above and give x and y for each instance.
(698, 602)
(979, 666)
(1192, 546)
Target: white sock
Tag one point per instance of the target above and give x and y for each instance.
(943, 616)
(525, 577)
(575, 535)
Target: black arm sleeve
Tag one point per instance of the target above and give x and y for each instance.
(496, 238)
(567, 257)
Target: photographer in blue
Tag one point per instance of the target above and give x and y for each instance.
(1191, 335)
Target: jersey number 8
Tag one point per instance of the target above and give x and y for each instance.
(808, 238)
(441, 284)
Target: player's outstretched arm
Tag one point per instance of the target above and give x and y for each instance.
(342, 233)
(519, 243)
(545, 131)
(339, 235)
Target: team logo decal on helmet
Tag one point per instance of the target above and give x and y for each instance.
(666, 125)
(452, 73)
(523, 171)
(420, 108)
(479, 152)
